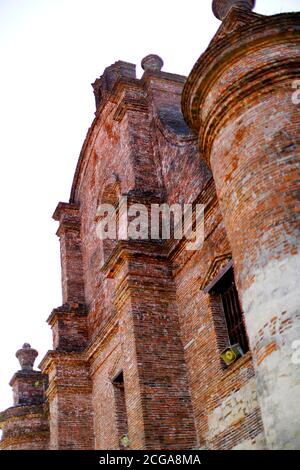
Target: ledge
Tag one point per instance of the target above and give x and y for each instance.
(242, 361)
(21, 410)
(224, 51)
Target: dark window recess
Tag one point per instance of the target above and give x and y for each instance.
(227, 291)
(120, 403)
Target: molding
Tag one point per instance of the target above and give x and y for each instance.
(64, 208)
(224, 51)
(250, 86)
(130, 104)
(65, 357)
(217, 268)
(37, 436)
(66, 311)
(22, 411)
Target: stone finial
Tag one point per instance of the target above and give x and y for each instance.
(222, 7)
(26, 356)
(152, 63)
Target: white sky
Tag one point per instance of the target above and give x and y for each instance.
(51, 51)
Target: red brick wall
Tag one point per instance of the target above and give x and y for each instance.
(239, 99)
(150, 153)
(140, 308)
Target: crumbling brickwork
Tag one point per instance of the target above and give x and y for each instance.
(136, 360)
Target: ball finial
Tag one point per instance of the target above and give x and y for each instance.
(152, 63)
(222, 7)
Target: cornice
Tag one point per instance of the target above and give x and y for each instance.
(68, 388)
(257, 83)
(225, 51)
(24, 438)
(22, 411)
(125, 249)
(66, 311)
(64, 208)
(63, 357)
(26, 374)
(160, 249)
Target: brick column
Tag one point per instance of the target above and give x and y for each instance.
(69, 392)
(70, 402)
(158, 402)
(70, 249)
(238, 98)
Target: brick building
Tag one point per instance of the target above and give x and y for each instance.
(137, 343)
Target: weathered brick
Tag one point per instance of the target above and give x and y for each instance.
(137, 342)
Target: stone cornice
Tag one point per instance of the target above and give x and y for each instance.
(130, 104)
(223, 53)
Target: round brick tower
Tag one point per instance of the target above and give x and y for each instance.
(25, 425)
(240, 99)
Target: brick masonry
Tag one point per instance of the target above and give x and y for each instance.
(250, 138)
(137, 341)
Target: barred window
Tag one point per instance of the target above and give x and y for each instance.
(225, 289)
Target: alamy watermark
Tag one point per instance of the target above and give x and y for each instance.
(296, 94)
(296, 354)
(154, 222)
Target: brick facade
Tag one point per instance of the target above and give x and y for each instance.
(137, 342)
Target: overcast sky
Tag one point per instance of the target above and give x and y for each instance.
(51, 51)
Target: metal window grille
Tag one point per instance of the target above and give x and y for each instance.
(232, 310)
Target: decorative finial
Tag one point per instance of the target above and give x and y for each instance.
(26, 356)
(152, 63)
(222, 7)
